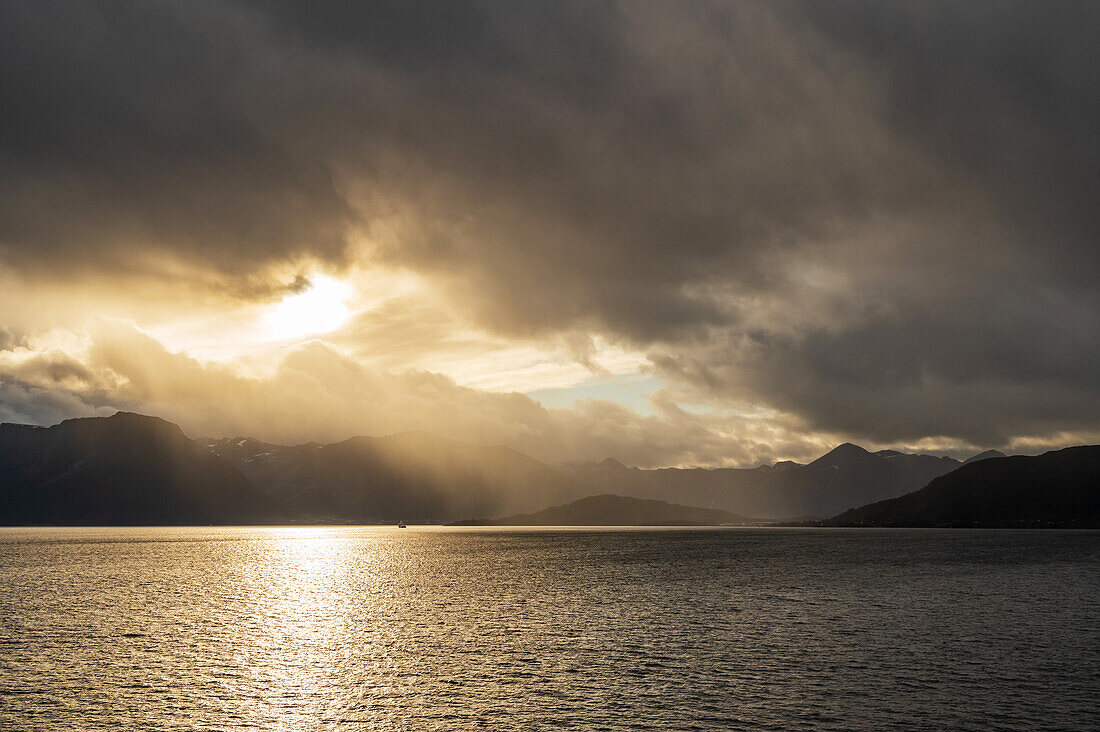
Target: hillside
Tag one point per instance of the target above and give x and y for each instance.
(411, 476)
(126, 469)
(1059, 488)
(418, 476)
(135, 469)
(845, 477)
(612, 510)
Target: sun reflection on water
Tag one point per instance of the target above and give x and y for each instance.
(299, 649)
(370, 628)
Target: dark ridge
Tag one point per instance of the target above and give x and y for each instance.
(413, 476)
(841, 456)
(1057, 489)
(612, 510)
(420, 477)
(127, 469)
(134, 469)
(984, 456)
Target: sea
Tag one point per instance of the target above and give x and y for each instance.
(434, 628)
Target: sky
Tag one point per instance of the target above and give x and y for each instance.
(672, 233)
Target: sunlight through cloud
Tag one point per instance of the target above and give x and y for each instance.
(321, 308)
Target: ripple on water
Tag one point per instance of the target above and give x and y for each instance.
(370, 628)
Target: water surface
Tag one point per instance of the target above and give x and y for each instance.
(431, 628)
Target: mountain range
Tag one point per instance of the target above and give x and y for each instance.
(1058, 488)
(419, 476)
(845, 477)
(131, 468)
(411, 476)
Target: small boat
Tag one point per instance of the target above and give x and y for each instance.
(402, 526)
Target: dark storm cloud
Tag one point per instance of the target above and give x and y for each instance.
(867, 214)
(599, 164)
(982, 371)
(122, 143)
(1001, 94)
(984, 325)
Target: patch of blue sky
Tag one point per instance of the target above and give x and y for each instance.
(631, 390)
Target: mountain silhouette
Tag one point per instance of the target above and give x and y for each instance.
(1058, 488)
(419, 476)
(127, 469)
(612, 510)
(847, 456)
(410, 476)
(845, 477)
(131, 468)
(984, 456)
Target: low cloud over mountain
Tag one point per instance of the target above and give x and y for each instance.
(805, 222)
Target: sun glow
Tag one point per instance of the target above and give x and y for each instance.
(321, 308)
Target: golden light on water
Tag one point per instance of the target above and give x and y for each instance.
(292, 597)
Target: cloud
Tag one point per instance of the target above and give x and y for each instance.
(874, 219)
(317, 393)
(124, 150)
